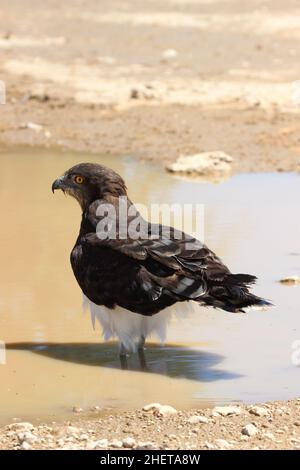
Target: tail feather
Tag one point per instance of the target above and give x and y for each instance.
(232, 294)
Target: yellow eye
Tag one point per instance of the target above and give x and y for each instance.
(79, 179)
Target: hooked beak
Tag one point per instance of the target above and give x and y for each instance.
(58, 184)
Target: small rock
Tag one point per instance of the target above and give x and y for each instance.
(258, 411)
(226, 410)
(269, 435)
(208, 445)
(26, 436)
(197, 419)
(31, 125)
(249, 430)
(151, 407)
(146, 92)
(222, 444)
(213, 165)
(91, 445)
(25, 446)
(129, 442)
(166, 410)
(102, 443)
(160, 410)
(169, 54)
(77, 409)
(72, 430)
(292, 280)
(26, 426)
(146, 445)
(115, 443)
(96, 408)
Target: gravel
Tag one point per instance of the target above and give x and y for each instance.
(264, 426)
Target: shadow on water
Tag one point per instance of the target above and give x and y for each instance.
(171, 360)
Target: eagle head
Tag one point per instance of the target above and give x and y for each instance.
(87, 182)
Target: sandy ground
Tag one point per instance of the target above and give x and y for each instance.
(267, 426)
(155, 80)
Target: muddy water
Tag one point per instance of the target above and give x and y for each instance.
(55, 360)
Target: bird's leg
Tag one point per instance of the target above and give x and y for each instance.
(123, 357)
(141, 353)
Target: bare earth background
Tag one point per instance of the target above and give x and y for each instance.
(155, 80)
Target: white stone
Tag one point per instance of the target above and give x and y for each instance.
(25, 446)
(290, 280)
(258, 411)
(32, 125)
(216, 165)
(269, 435)
(160, 410)
(208, 445)
(151, 407)
(25, 426)
(146, 445)
(197, 419)
(91, 445)
(102, 443)
(116, 444)
(226, 410)
(222, 444)
(169, 54)
(129, 442)
(249, 430)
(26, 436)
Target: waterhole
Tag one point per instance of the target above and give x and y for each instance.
(53, 360)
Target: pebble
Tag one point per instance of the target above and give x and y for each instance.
(160, 410)
(31, 125)
(249, 430)
(25, 446)
(222, 444)
(129, 442)
(115, 443)
(91, 445)
(102, 443)
(26, 436)
(77, 409)
(269, 435)
(146, 445)
(226, 410)
(216, 165)
(26, 426)
(72, 430)
(290, 280)
(169, 53)
(195, 419)
(258, 411)
(146, 92)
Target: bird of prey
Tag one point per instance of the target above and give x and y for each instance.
(132, 283)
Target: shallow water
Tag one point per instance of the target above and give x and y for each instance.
(54, 358)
